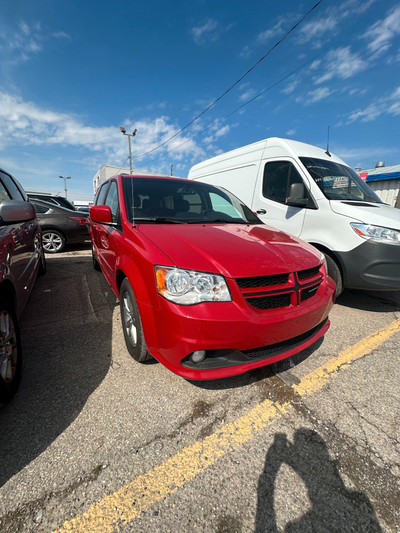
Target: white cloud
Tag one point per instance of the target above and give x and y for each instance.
(19, 45)
(342, 63)
(389, 105)
(383, 31)
(291, 87)
(206, 32)
(24, 123)
(247, 95)
(317, 95)
(291, 132)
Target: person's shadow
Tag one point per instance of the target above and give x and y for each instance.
(334, 508)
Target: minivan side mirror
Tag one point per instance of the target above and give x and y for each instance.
(297, 195)
(101, 214)
(16, 211)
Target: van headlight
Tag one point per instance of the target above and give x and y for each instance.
(377, 233)
(188, 287)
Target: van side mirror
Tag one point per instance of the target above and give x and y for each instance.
(297, 195)
(16, 211)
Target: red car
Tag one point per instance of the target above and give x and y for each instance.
(204, 286)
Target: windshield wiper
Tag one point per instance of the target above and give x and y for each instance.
(159, 220)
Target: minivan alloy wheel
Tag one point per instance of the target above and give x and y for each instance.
(129, 319)
(8, 347)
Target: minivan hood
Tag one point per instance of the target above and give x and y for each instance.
(368, 213)
(234, 250)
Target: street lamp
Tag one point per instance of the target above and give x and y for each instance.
(65, 183)
(129, 135)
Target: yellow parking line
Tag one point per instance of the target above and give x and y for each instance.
(146, 490)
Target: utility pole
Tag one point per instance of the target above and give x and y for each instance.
(129, 135)
(65, 183)
(172, 168)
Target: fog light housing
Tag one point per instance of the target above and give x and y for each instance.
(198, 356)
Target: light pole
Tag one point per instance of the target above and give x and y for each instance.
(129, 135)
(65, 183)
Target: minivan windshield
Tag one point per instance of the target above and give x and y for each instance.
(178, 201)
(339, 182)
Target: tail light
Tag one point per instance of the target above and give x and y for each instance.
(82, 221)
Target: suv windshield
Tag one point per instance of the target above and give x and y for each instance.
(339, 182)
(177, 201)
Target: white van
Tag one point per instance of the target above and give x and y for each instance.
(314, 195)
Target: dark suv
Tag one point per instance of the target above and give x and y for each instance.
(21, 258)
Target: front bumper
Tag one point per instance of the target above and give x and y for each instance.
(229, 331)
(372, 266)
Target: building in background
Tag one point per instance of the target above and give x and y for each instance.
(106, 171)
(384, 181)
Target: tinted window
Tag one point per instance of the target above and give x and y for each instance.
(278, 177)
(3, 192)
(41, 208)
(112, 200)
(101, 194)
(182, 201)
(12, 188)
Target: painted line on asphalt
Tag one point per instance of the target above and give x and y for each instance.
(138, 496)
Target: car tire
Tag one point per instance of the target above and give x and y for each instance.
(53, 241)
(132, 325)
(96, 264)
(10, 352)
(335, 273)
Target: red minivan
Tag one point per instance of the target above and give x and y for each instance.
(204, 286)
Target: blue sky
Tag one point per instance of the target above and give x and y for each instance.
(73, 72)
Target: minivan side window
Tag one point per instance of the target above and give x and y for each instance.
(3, 192)
(12, 187)
(102, 194)
(112, 200)
(278, 177)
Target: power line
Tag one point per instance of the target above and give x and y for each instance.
(236, 82)
(242, 105)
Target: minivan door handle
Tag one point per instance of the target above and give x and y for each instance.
(261, 212)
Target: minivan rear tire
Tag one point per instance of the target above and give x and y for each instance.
(10, 351)
(132, 324)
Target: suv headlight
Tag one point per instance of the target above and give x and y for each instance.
(188, 287)
(377, 233)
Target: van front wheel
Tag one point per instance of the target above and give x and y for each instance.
(132, 325)
(335, 273)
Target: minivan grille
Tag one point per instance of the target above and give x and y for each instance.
(280, 290)
(309, 273)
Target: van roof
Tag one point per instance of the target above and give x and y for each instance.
(294, 148)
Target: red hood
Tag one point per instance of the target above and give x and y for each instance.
(234, 250)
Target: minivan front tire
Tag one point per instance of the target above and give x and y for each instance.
(132, 324)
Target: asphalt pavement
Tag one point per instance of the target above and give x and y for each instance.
(95, 441)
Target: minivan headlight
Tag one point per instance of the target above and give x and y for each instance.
(189, 287)
(377, 233)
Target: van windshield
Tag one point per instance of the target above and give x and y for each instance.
(339, 182)
(178, 201)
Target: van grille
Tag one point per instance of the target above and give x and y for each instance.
(280, 290)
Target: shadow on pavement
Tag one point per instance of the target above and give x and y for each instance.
(66, 342)
(380, 302)
(332, 507)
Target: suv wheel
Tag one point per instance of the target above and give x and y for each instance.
(10, 352)
(131, 324)
(53, 241)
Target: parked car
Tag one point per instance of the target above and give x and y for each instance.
(60, 226)
(52, 199)
(204, 286)
(313, 194)
(21, 259)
